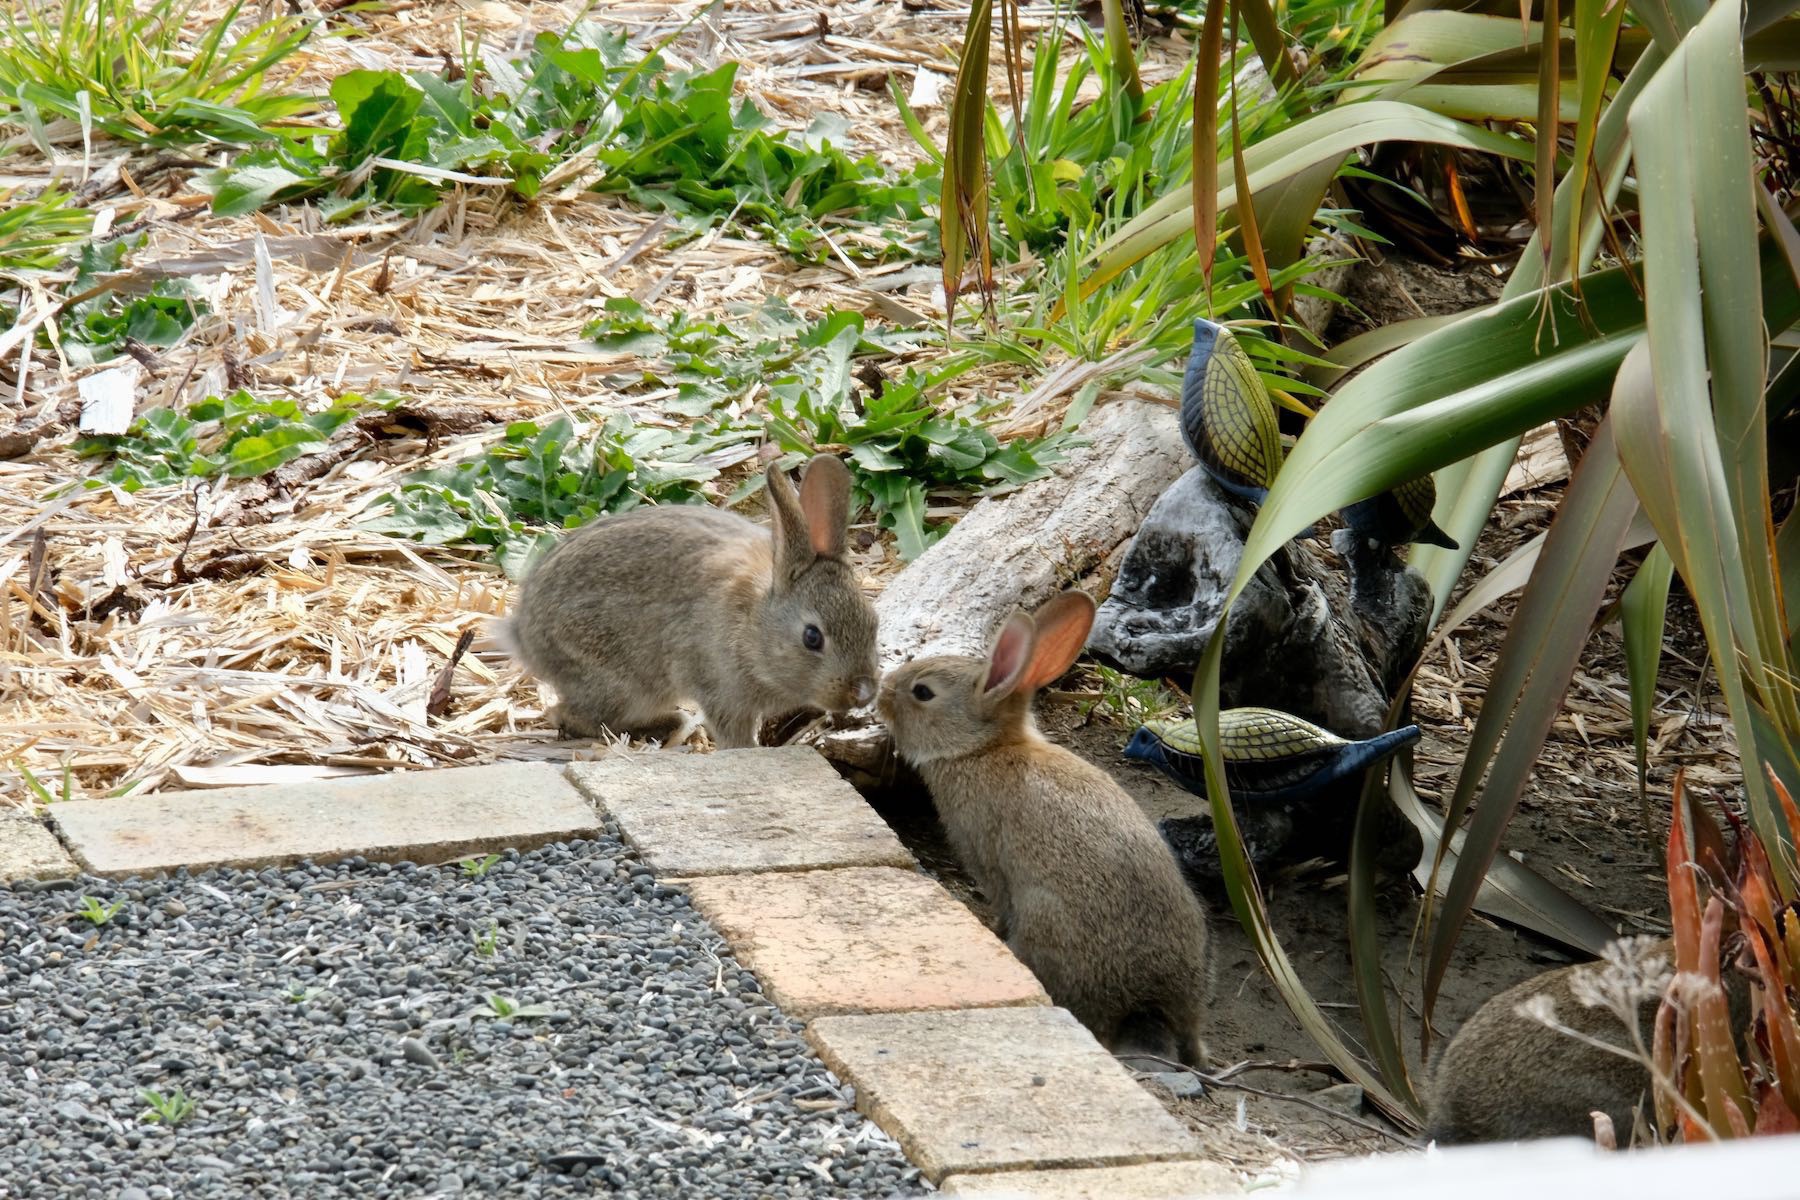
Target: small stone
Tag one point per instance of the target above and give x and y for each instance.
(134, 1193)
(1182, 1084)
(1344, 1097)
(415, 1051)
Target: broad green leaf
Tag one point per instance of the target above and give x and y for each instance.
(377, 108)
(246, 189)
(261, 453)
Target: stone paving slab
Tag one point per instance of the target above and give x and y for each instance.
(1146, 1181)
(28, 850)
(996, 1089)
(862, 939)
(422, 816)
(776, 809)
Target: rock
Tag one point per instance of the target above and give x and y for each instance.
(415, 1051)
(1305, 638)
(1345, 1097)
(1182, 1084)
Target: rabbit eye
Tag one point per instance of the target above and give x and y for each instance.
(922, 693)
(813, 639)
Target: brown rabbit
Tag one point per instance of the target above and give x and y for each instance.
(1088, 894)
(1507, 1076)
(636, 613)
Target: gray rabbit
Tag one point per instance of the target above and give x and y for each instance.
(1088, 893)
(638, 612)
(1507, 1076)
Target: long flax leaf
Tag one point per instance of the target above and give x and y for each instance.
(1721, 1074)
(1596, 41)
(1246, 205)
(1643, 611)
(963, 211)
(1712, 520)
(1536, 662)
(1205, 182)
(1549, 126)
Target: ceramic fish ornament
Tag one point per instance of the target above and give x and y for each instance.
(1270, 757)
(1400, 516)
(1227, 416)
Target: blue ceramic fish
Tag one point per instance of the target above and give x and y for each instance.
(1400, 516)
(1270, 757)
(1227, 416)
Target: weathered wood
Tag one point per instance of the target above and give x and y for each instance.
(1019, 550)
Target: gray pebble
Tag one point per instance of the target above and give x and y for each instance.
(418, 1052)
(282, 1010)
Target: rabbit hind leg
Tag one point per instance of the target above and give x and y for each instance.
(596, 706)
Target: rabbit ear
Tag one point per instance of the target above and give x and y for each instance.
(825, 499)
(1062, 629)
(1009, 657)
(793, 550)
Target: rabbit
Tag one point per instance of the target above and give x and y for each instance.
(1087, 893)
(638, 612)
(1507, 1076)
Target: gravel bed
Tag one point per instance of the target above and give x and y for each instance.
(558, 1024)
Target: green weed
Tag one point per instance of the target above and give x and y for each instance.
(98, 912)
(36, 785)
(537, 479)
(475, 868)
(902, 444)
(1128, 701)
(238, 437)
(487, 942)
(170, 1110)
(36, 233)
(97, 329)
(138, 73)
(505, 1008)
(675, 141)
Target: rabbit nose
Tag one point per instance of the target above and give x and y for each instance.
(864, 691)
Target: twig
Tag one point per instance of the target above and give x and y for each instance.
(1223, 1079)
(440, 688)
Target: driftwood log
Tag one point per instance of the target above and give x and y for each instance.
(1017, 551)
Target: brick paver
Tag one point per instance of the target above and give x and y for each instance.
(1146, 1181)
(424, 816)
(862, 939)
(776, 809)
(993, 1089)
(28, 850)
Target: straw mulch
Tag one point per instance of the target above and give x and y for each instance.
(183, 637)
(250, 632)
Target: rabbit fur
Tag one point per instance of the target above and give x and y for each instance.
(635, 613)
(1506, 1076)
(1088, 894)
